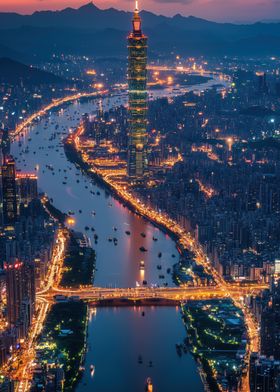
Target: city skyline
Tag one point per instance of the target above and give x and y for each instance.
(139, 199)
(216, 10)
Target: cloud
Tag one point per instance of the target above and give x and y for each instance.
(185, 2)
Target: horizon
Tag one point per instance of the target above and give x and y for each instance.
(206, 9)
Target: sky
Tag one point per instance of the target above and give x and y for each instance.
(220, 10)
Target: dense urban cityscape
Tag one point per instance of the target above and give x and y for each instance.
(139, 202)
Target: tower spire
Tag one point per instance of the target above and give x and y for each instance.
(136, 21)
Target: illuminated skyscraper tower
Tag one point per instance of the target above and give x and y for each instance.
(138, 99)
(9, 192)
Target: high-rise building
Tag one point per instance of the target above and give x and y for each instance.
(15, 289)
(138, 100)
(264, 374)
(27, 187)
(20, 288)
(270, 324)
(9, 192)
(262, 84)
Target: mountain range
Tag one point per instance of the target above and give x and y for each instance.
(92, 31)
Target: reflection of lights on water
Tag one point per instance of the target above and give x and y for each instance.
(92, 312)
(142, 274)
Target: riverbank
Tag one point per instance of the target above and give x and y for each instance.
(62, 342)
(79, 262)
(74, 157)
(216, 335)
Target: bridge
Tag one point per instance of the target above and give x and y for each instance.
(151, 295)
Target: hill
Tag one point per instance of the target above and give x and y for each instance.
(13, 72)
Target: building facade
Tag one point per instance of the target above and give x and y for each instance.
(9, 192)
(138, 100)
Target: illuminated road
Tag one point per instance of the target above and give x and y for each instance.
(20, 365)
(54, 104)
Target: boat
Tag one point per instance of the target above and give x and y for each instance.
(142, 265)
(159, 267)
(92, 370)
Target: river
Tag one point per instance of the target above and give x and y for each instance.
(116, 336)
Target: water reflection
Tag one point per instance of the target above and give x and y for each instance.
(126, 348)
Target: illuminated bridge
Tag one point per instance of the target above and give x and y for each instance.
(151, 296)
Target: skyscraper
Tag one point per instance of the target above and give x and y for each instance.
(138, 100)
(9, 192)
(20, 288)
(26, 187)
(15, 289)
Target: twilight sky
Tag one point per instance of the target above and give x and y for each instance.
(222, 10)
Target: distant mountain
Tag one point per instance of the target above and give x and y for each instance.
(14, 72)
(90, 30)
(12, 54)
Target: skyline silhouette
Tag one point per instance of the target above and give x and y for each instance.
(217, 10)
